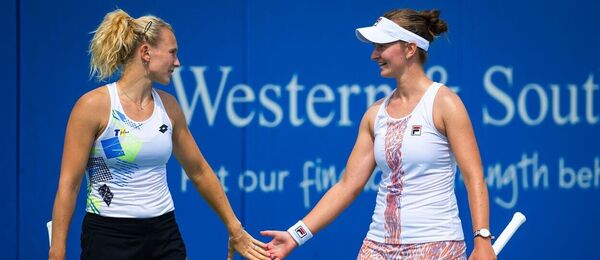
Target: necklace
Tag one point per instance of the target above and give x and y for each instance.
(140, 106)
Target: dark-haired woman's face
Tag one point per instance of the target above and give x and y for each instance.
(163, 58)
(390, 57)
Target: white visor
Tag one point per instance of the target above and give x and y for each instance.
(385, 31)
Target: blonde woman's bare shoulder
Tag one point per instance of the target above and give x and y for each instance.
(96, 100)
(172, 106)
(167, 99)
(170, 102)
(92, 109)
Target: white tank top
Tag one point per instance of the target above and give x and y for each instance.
(416, 201)
(126, 170)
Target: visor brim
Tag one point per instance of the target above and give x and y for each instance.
(373, 34)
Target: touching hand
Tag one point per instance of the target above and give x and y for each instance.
(281, 245)
(247, 246)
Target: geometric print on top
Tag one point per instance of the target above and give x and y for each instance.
(131, 147)
(120, 117)
(98, 170)
(124, 153)
(125, 148)
(92, 203)
(106, 194)
(112, 147)
(123, 172)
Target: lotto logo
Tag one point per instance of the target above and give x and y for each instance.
(163, 128)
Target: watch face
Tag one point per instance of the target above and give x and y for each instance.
(484, 232)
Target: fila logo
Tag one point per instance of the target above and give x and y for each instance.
(163, 128)
(416, 130)
(376, 22)
(300, 232)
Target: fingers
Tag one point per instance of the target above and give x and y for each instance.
(259, 243)
(277, 255)
(258, 249)
(255, 253)
(258, 246)
(261, 251)
(249, 247)
(258, 253)
(269, 233)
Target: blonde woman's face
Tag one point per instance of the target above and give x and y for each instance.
(163, 58)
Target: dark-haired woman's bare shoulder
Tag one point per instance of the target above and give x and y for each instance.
(368, 118)
(378, 103)
(374, 108)
(447, 104)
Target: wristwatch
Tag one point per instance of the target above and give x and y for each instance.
(484, 232)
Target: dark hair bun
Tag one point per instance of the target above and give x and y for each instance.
(434, 23)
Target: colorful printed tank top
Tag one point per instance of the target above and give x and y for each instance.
(126, 170)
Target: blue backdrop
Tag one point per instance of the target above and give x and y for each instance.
(274, 90)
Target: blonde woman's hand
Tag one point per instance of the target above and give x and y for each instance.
(247, 246)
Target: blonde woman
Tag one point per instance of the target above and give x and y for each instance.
(121, 136)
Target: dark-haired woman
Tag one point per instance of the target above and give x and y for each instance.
(417, 135)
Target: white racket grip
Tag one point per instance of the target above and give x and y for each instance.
(517, 220)
(49, 227)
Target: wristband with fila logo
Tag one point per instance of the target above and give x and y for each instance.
(300, 233)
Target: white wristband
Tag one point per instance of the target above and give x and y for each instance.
(300, 233)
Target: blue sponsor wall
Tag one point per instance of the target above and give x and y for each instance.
(8, 112)
(274, 91)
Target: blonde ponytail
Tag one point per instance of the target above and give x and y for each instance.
(116, 39)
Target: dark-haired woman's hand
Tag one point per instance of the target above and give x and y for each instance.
(483, 250)
(281, 245)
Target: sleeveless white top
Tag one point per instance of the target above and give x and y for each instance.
(416, 201)
(126, 170)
